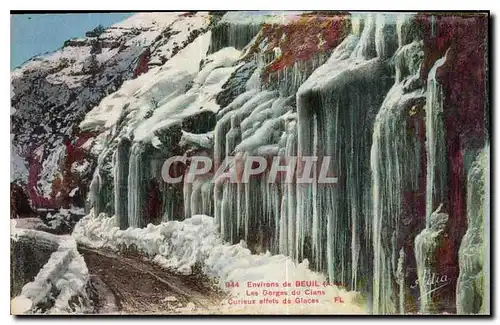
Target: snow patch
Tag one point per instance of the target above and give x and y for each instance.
(80, 167)
(203, 140)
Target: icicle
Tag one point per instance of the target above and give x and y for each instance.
(136, 192)
(335, 106)
(121, 182)
(94, 195)
(485, 308)
(198, 198)
(436, 144)
(232, 34)
(400, 279)
(396, 166)
(428, 240)
(288, 218)
(187, 190)
(426, 245)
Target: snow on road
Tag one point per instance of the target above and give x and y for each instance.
(182, 246)
(129, 284)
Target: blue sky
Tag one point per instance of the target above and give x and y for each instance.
(33, 34)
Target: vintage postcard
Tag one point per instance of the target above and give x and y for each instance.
(250, 163)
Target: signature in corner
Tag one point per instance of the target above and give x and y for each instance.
(432, 281)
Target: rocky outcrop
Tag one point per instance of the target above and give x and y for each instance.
(51, 94)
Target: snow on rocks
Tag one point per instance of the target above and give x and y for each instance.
(179, 246)
(80, 167)
(64, 219)
(151, 89)
(61, 280)
(204, 140)
(18, 165)
(186, 26)
(30, 223)
(166, 95)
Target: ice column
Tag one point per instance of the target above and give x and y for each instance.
(471, 281)
(121, 182)
(136, 178)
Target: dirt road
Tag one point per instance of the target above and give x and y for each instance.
(130, 284)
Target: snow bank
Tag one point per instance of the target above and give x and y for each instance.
(179, 246)
(61, 279)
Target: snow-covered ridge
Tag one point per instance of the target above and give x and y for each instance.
(161, 92)
(180, 245)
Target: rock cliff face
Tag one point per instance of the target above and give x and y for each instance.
(51, 94)
(397, 102)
